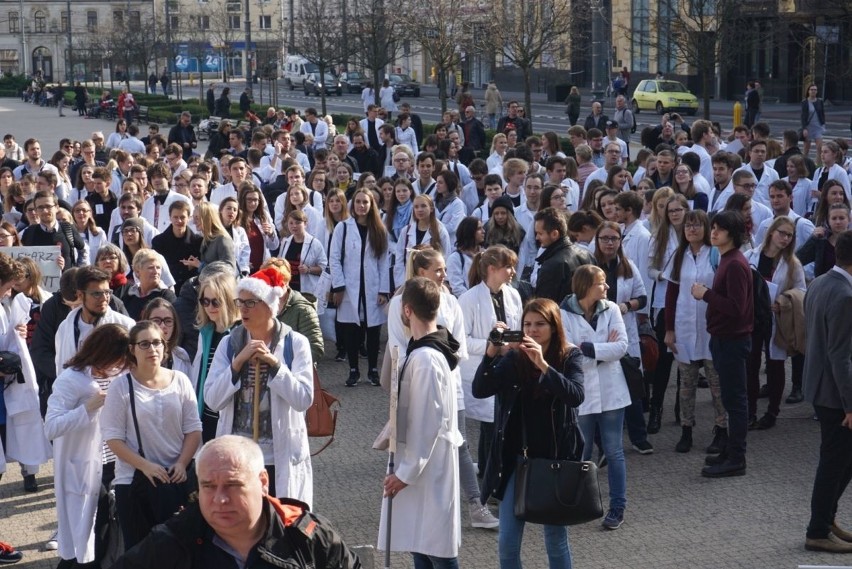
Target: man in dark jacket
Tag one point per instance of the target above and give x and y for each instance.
(236, 524)
(555, 267)
(178, 243)
(246, 101)
(474, 136)
(791, 148)
(183, 134)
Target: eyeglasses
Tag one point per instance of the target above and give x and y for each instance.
(129, 230)
(684, 172)
(246, 303)
(206, 302)
(160, 321)
(98, 294)
(148, 344)
(557, 197)
(693, 226)
(784, 234)
(746, 186)
(676, 210)
(609, 239)
(109, 258)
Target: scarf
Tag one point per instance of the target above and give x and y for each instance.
(402, 217)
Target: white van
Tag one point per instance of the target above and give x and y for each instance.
(296, 70)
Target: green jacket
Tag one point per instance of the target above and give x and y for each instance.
(299, 313)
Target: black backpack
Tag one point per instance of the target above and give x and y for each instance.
(762, 305)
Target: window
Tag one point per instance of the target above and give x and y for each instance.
(92, 20)
(173, 6)
(640, 39)
(234, 6)
(265, 22)
(40, 22)
(203, 22)
(64, 21)
(135, 19)
(118, 18)
(14, 23)
(702, 7)
(667, 49)
(234, 22)
(174, 22)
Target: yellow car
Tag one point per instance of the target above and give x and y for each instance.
(663, 96)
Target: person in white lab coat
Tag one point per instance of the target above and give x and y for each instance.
(449, 207)
(776, 261)
(469, 238)
(424, 229)
(429, 263)
(83, 463)
(283, 357)
(25, 441)
(686, 328)
(360, 281)
(596, 326)
(490, 301)
(304, 252)
(424, 486)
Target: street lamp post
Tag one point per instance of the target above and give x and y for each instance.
(248, 52)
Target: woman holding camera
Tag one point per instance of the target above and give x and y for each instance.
(538, 384)
(595, 323)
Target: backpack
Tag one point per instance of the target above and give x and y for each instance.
(321, 416)
(762, 305)
(633, 128)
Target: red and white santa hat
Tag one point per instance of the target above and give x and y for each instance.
(267, 285)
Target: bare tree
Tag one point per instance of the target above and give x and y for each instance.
(225, 29)
(530, 35)
(379, 36)
(440, 27)
(701, 34)
(317, 38)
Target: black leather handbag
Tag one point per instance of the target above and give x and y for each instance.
(555, 491)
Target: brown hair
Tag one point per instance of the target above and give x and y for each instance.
(106, 347)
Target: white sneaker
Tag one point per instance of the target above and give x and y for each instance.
(52, 544)
(481, 517)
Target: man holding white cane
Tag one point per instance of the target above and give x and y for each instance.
(425, 483)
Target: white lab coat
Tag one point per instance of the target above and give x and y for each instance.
(313, 254)
(25, 440)
(836, 172)
(721, 199)
(319, 131)
(779, 280)
(451, 216)
(77, 445)
(346, 275)
(163, 220)
(408, 240)
(633, 287)
(635, 242)
(315, 201)
(603, 379)
(449, 317)
(291, 393)
(657, 294)
(761, 192)
(64, 339)
(692, 340)
(479, 320)
(426, 514)
(458, 269)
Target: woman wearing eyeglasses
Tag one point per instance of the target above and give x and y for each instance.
(162, 313)
(85, 225)
(215, 317)
(684, 185)
(166, 420)
(776, 262)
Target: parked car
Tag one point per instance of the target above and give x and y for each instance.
(403, 85)
(353, 81)
(663, 96)
(330, 84)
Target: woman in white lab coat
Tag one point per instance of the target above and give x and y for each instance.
(83, 463)
(305, 254)
(359, 271)
(424, 229)
(490, 301)
(776, 261)
(686, 327)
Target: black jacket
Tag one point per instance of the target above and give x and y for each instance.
(175, 249)
(295, 538)
(781, 162)
(66, 236)
(558, 263)
(180, 134)
(521, 126)
(820, 113)
(547, 405)
(598, 123)
(813, 251)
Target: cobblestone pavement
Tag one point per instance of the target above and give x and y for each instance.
(675, 519)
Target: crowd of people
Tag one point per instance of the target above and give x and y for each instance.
(197, 294)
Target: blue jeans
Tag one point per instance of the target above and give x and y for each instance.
(422, 561)
(611, 426)
(511, 534)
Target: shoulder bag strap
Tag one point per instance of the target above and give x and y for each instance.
(133, 413)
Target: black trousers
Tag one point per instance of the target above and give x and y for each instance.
(834, 470)
(354, 337)
(729, 359)
(664, 363)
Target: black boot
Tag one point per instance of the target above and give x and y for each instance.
(685, 442)
(720, 441)
(654, 418)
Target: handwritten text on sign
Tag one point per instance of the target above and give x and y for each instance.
(45, 257)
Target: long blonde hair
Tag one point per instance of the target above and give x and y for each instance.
(788, 253)
(211, 223)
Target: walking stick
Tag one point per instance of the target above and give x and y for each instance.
(255, 425)
(394, 404)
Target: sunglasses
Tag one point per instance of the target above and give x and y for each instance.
(207, 302)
